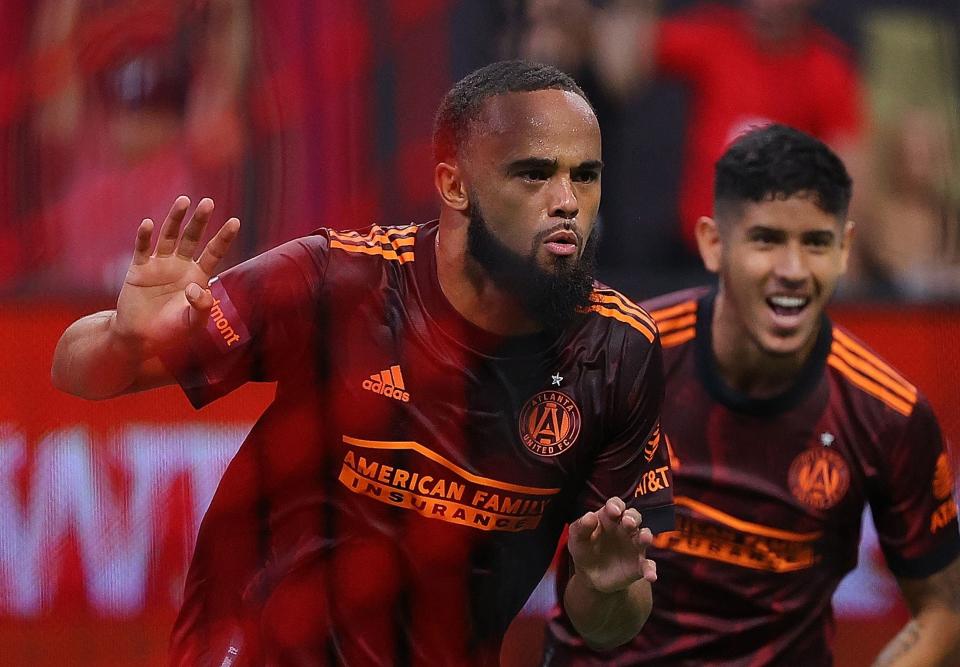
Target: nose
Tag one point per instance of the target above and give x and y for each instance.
(791, 266)
(563, 199)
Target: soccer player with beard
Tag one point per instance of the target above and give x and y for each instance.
(449, 396)
(781, 426)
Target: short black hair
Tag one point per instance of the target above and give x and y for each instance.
(778, 162)
(463, 102)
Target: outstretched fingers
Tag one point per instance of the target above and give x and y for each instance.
(216, 249)
(170, 229)
(190, 239)
(141, 247)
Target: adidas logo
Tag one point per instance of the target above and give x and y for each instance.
(388, 383)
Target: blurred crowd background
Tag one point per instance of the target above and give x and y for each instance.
(305, 113)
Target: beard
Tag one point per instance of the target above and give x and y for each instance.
(549, 297)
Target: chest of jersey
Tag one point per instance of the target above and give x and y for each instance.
(423, 423)
(776, 493)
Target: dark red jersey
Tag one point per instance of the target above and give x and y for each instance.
(404, 493)
(770, 495)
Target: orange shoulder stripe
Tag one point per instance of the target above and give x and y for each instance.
(872, 359)
(909, 394)
(616, 298)
(387, 243)
(876, 390)
(677, 323)
(402, 257)
(680, 309)
(678, 337)
(380, 240)
(620, 316)
(383, 234)
(377, 229)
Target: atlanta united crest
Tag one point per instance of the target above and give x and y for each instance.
(819, 478)
(549, 423)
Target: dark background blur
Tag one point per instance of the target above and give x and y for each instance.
(308, 113)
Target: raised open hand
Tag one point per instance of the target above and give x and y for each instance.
(609, 547)
(165, 292)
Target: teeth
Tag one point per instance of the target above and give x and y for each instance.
(788, 301)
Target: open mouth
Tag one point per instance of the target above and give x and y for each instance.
(563, 242)
(788, 306)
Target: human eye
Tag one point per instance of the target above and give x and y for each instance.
(820, 240)
(586, 175)
(763, 237)
(535, 174)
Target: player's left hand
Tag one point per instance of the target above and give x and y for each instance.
(609, 547)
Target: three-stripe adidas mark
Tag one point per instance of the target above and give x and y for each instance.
(388, 383)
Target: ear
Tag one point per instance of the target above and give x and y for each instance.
(707, 233)
(448, 179)
(846, 239)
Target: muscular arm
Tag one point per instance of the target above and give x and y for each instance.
(92, 361)
(932, 636)
(608, 598)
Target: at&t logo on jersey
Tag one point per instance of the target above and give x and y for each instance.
(942, 490)
(388, 383)
(549, 423)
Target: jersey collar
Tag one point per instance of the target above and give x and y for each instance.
(807, 380)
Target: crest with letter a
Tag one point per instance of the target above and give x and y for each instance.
(819, 477)
(549, 423)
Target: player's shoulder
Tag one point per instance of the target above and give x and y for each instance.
(676, 315)
(877, 388)
(360, 257)
(617, 312)
(373, 244)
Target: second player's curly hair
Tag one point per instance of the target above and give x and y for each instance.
(778, 162)
(462, 103)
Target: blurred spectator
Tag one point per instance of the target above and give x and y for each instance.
(758, 62)
(141, 103)
(909, 234)
(16, 238)
(342, 113)
(909, 238)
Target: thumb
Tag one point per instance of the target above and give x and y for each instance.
(201, 299)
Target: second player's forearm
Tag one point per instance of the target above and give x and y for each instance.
(606, 620)
(930, 640)
(91, 361)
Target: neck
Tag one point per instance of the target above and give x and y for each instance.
(471, 291)
(743, 364)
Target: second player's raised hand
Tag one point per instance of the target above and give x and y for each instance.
(165, 292)
(609, 547)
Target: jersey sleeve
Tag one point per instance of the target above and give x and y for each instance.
(262, 322)
(633, 463)
(913, 506)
